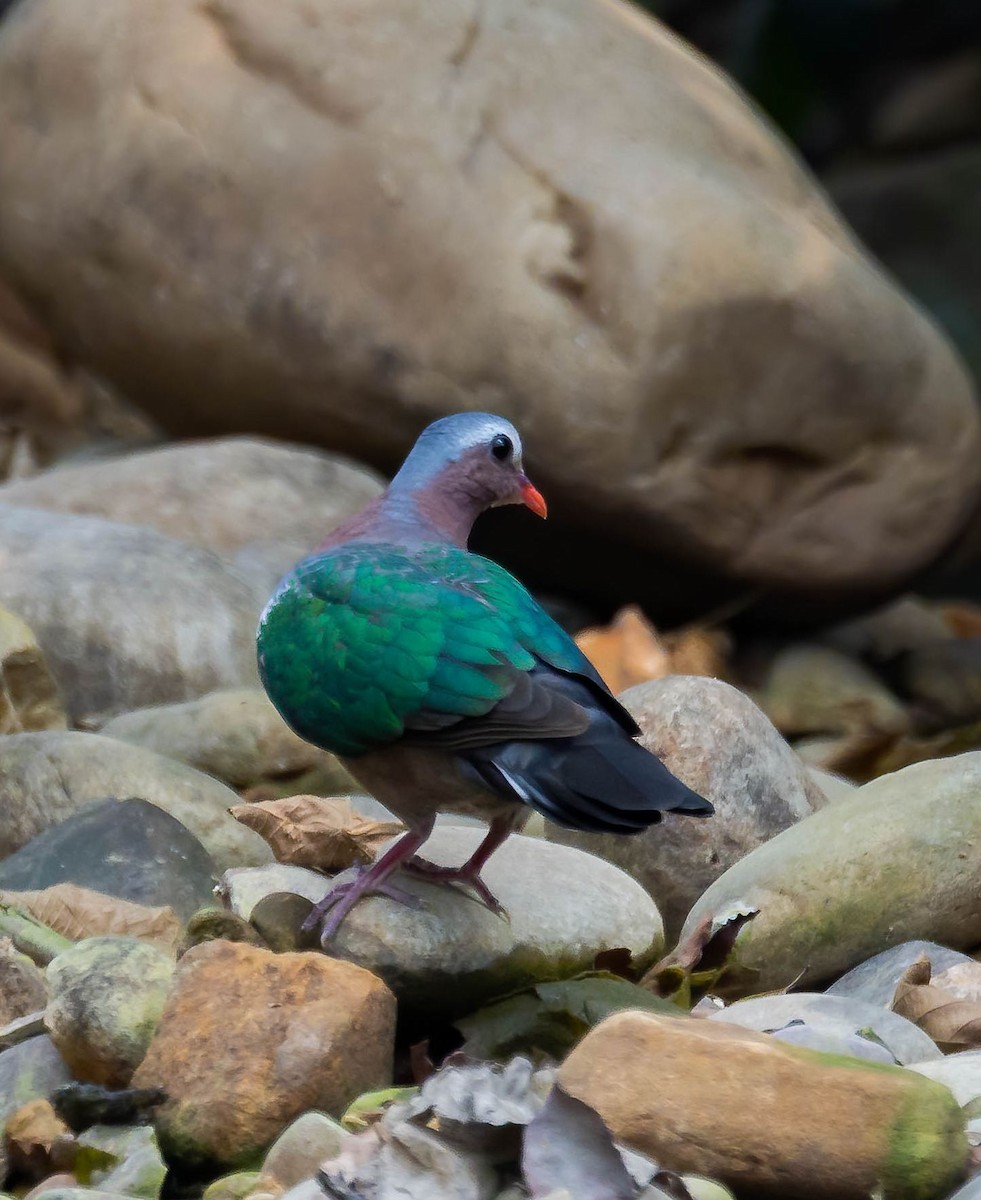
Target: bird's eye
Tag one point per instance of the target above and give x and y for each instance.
(501, 447)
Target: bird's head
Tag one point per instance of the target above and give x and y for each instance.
(472, 460)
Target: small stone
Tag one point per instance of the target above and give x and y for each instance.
(58, 1182)
(29, 697)
(235, 1186)
(700, 1188)
(138, 1170)
(236, 736)
(213, 924)
(718, 742)
(22, 989)
(764, 1117)
(302, 1147)
(812, 689)
(904, 1041)
(107, 997)
(125, 848)
(281, 1033)
(564, 907)
(875, 979)
(858, 877)
(243, 887)
(49, 777)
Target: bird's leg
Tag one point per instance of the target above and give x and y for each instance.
(371, 881)
(469, 873)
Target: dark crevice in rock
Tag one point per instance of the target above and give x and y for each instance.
(471, 35)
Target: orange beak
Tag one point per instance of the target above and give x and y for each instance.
(532, 498)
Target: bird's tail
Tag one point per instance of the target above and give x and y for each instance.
(600, 781)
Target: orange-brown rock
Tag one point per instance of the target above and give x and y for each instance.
(339, 220)
(250, 1039)
(765, 1117)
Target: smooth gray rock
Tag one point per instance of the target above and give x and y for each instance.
(241, 888)
(897, 860)
(237, 736)
(106, 998)
(126, 616)
(837, 1014)
(125, 848)
(875, 979)
(223, 494)
(716, 740)
(48, 777)
(452, 954)
(815, 689)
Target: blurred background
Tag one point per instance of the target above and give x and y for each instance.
(719, 260)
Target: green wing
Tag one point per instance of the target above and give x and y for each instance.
(364, 643)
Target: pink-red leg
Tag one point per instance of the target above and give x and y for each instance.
(469, 873)
(371, 881)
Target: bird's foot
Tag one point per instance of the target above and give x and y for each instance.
(331, 911)
(465, 875)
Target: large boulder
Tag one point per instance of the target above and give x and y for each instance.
(340, 222)
(126, 617)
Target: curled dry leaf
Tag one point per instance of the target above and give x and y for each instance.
(316, 831)
(698, 962)
(35, 1134)
(630, 650)
(953, 1023)
(78, 912)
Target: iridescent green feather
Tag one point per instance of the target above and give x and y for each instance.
(358, 640)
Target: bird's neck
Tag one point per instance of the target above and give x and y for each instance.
(410, 518)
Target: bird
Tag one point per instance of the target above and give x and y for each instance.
(441, 683)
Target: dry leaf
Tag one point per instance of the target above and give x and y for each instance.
(630, 650)
(33, 1132)
(954, 1024)
(316, 831)
(698, 962)
(78, 912)
(962, 619)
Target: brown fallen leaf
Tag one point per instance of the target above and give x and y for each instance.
(962, 619)
(78, 912)
(316, 831)
(954, 1024)
(698, 962)
(630, 650)
(38, 1141)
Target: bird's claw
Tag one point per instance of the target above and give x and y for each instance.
(329, 912)
(434, 873)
